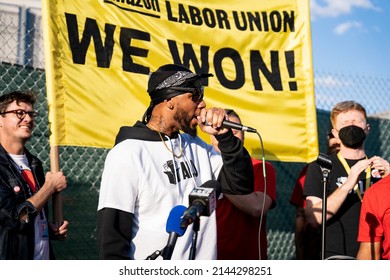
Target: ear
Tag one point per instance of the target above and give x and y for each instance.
(335, 133)
(368, 127)
(168, 103)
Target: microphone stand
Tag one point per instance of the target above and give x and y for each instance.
(325, 180)
(195, 229)
(155, 255)
(326, 165)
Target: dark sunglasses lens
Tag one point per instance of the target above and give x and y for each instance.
(197, 96)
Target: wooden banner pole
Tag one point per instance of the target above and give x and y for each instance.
(56, 197)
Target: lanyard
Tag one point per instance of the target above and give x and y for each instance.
(29, 178)
(368, 175)
(26, 173)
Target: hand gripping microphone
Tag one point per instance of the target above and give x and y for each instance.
(202, 201)
(233, 125)
(174, 230)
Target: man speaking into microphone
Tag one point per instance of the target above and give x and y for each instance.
(157, 163)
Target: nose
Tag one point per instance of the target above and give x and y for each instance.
(27, 118)
(201, 104)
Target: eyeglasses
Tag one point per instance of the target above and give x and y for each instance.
(197, 93)
(21, 114)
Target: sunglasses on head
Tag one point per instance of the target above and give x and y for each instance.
(197, 93)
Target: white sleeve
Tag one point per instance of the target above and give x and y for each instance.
(119, 184)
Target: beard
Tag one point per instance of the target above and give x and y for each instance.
(183, 118)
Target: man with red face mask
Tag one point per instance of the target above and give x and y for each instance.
(352, 173)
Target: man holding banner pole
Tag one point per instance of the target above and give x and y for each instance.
(25, 231)
(153, 167)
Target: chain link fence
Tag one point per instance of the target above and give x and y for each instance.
(22, 67)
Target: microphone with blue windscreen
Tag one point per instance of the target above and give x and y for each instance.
(174, 230)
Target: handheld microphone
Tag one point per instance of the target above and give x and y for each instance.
(233, 125)
(174, 230)
(324, 161)
(202, 201)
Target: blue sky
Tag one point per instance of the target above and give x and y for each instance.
(350, 48)
(351, 36)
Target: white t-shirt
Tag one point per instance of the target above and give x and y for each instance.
(144, 178)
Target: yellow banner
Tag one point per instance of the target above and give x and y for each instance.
(99, 53)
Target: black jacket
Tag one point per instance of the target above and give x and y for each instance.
(17, 237)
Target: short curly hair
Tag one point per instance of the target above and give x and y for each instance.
(18, 96)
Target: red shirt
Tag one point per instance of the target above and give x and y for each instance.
(237, 232)
(296, 198)
(374, 225)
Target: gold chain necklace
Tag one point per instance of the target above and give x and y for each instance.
(165, 144)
